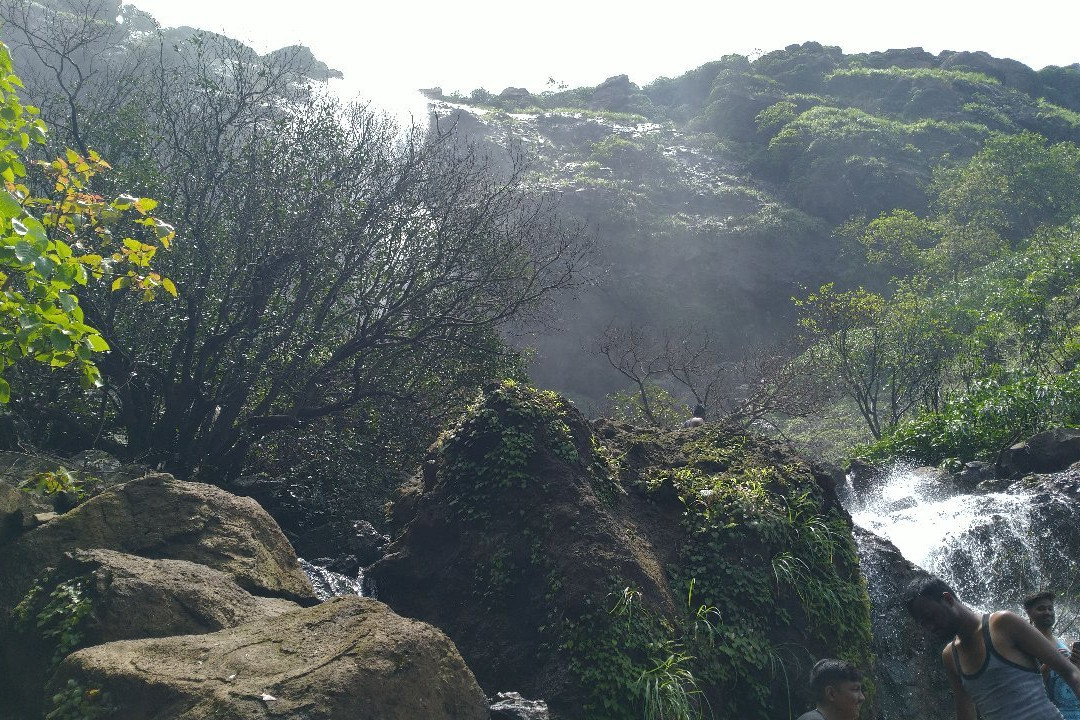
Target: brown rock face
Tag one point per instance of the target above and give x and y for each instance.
(118, 597)
(499, 548)
(347, 659)
(134, 597)
(158, 516)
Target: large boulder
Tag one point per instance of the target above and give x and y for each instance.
(133, 597)
(158, 516)
(508, 532)
(98, 596)
(1046, 452)
(612, 94)
(579, 566)
(346, 659)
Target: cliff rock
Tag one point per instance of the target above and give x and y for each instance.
(580, 564)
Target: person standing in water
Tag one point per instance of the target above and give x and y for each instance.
(1040, 611)
(992, 659)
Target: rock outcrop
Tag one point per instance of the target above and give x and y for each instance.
(158, 516)
(572, 565)
(1045, 452)
(164, 599)
(910, 682)
(346, 659)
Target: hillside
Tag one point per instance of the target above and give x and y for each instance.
(717, 195)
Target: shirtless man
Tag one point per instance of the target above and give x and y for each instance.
(990, 661)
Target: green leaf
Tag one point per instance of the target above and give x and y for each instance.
(25, 252)
(59, 340)
(36, 229)
(97, 343)
(9, 206)
(5, 391)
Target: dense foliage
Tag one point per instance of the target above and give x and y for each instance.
(56, 242)
(720, 194)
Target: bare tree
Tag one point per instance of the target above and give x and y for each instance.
(326, 262)
(762, 384)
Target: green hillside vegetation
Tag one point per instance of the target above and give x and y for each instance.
(334, 312)
(898, 182)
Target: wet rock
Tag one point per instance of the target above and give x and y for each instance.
(972, 474)
(910, 683)
(863, 475)
(1046, 452)
(511, 706)
(344, 659)
(348, 545)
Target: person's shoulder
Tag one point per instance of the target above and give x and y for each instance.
(811, 715)
(1006, 620)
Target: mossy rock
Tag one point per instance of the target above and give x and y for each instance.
(580, 564)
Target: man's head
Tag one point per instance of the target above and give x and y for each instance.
(837, 688)
(1040, 610)
(933, 604)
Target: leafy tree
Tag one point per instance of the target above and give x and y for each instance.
(333, 266)
(54, 245)
(888, 356)
(1014, 184)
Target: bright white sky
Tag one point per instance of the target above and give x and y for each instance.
(389, 48)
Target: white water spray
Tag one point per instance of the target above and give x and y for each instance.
(981, 544)
(328, 583)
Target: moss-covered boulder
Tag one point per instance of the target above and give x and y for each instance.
(607, 568)
(346, 659)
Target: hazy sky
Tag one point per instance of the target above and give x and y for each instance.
(388, 48)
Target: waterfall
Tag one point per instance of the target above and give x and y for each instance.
(982, 544)
(328, 583)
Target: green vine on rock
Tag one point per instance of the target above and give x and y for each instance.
(58, 616)
(78, 702)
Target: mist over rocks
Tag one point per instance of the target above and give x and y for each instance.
(718, 195)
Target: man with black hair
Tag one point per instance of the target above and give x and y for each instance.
(992, 660)
(837, 688)
(1040, 611)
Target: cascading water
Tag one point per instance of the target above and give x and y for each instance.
(328, 583)
(982, 544)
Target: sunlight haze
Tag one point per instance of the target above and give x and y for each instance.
(388, 50)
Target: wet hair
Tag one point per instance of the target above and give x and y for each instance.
(925, 586)
(1034, 598)
(829, 671)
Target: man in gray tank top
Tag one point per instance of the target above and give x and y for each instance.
(992, 661)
